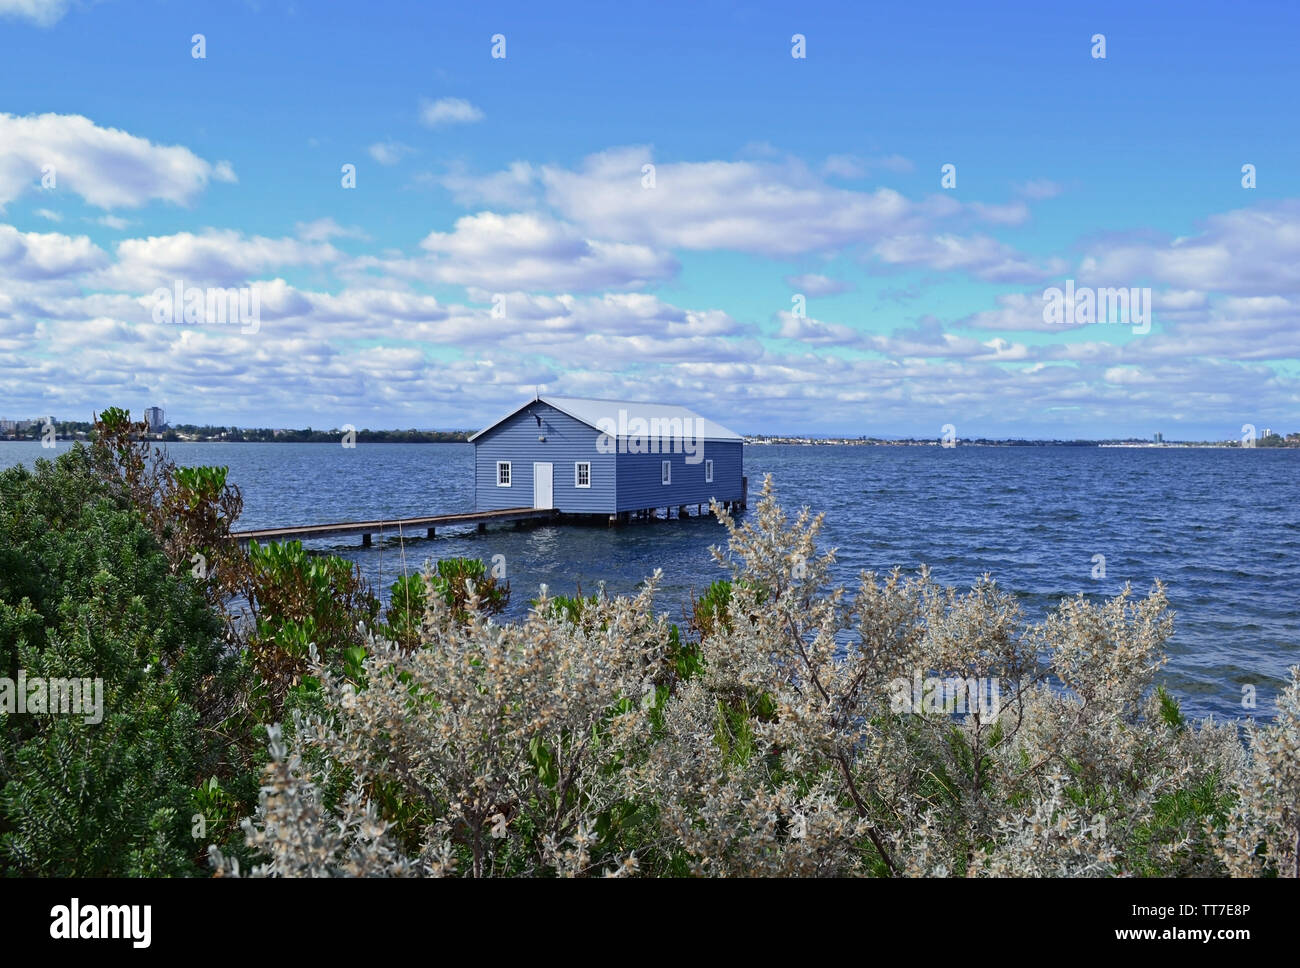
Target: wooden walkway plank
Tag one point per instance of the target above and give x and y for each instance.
(367, 528)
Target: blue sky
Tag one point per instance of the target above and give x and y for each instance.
(521, 178)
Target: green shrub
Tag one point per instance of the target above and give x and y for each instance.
(300, 600)
(86, 592)
(189, 510)
(451, 581)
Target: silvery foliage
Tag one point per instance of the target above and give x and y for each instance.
(787, 754)
(1264, 830)
(461, 724)
(301, 839)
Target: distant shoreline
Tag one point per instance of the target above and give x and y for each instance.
(32, 430)
(457, 437)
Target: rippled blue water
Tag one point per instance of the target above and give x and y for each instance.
(1221, 528)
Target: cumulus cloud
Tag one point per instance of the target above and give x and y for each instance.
(1246, 251)
(1015, 311)
(448, 110)
(389, 152)
(813, 284)
(982, 256)
(515, 186)
(363, 353)
(43, 13)
(35, 255)
(814, 332)
(844, 166)
(324, 229)
(746, 206)
(767, 207)
(574, 251)
(107, 167)
(214, 257)
(949, 346)
(525, 251)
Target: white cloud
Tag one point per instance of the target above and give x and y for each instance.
(1252, 251)
(107, 167)
(214, 257)
(844, 166)
(940, 347)
(815, 332)
(43, 13)
(324, 229)
(363, 353)
(34, 255)
(1175, 300)
(982, 256)
(768, 207)
(813, 284)
(1015, 312)
(448, 110)
(746, 206)
(515, 186)
(570, 261)
(504, 252)
(389, 152)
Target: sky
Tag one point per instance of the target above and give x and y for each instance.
(654, 202)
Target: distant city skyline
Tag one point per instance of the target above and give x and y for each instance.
(798, 221)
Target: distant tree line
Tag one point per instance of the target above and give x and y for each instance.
(1272, 440)
(308, 435)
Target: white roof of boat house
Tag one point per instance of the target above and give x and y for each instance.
(591, 411)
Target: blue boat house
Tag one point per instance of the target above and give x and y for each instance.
(618, 458)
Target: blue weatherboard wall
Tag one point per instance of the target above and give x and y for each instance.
(567, 441)
(619, 482)
(639, 480)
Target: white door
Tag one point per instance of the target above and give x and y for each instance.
(543, 492)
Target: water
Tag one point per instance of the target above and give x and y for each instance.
(1221, 528)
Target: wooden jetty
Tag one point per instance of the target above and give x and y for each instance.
(408, 527)
(411, 527)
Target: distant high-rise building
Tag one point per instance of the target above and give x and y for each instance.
(1268, 432)
(156, 419)
(1160, 438)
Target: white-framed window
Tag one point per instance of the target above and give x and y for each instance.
(708, 472)
(503, 473)
(582, 474)
(666, 472)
